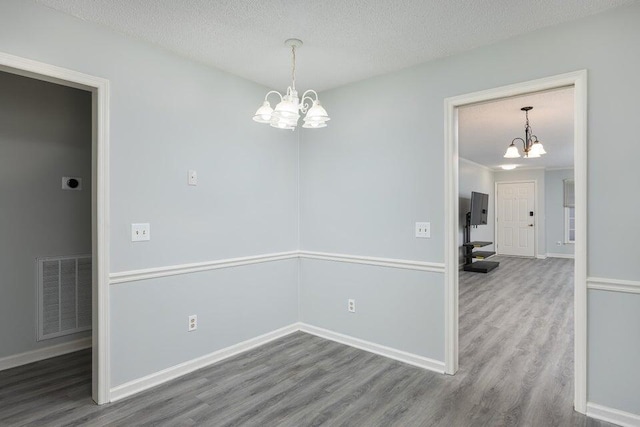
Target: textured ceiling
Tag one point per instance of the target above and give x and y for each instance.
(344, 41)
(486, 130)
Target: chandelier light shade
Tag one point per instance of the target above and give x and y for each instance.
(287, 111)
(531, 147)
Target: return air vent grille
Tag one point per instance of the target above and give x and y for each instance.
(64, 296)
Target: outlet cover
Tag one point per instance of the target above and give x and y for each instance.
(423, 230)
(193, 178)
(193, 323)
(351, 305)
(140, 232)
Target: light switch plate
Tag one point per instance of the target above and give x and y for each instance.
(423, 230)
(140, 232)
(193, 178)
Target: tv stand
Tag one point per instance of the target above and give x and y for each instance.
(470, 254)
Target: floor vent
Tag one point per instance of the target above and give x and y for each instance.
(64, 295)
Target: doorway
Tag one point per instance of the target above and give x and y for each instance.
(516, 214)
(99, 270)
(578, 80)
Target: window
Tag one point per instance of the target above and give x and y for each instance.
(570, 225)
(569, 211)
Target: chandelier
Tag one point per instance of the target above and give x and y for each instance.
(286, 113)
(531, 147)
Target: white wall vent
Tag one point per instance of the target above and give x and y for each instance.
(64, 295)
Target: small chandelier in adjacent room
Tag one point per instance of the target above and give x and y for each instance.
(531, 147)
(285, 115)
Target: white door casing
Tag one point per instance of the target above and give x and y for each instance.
(577, 79)
(514, 219)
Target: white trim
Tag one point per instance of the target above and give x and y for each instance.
(100, 201)
(434, 267)
(391, 353)
(472, 163)
(567, 256)
(157, 378)
(173, 270)
(610, 415)
(614, 285)
(578, 79)
(542, 256)
(44, 353)
(560, 168)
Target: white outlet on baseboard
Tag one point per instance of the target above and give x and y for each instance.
(351, 305)
(193, 323)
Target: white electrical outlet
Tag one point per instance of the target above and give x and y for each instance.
(423, 230)
(351, 305)
(193, 178)
(140, 232)
(193, 323)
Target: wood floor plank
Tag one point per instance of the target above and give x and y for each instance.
(516, 368)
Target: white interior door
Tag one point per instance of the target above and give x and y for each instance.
(516, 220)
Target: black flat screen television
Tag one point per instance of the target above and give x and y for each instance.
(479, 207)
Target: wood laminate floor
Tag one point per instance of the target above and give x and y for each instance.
(516, 363)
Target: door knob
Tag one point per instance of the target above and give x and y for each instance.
(530, 225)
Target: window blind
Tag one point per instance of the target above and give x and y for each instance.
(569, 193)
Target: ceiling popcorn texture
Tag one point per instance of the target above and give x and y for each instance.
(344, 41)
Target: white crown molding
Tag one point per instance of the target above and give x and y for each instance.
(471, 162)
(391, 353)
(610, 415)
(44, 353)
(614, 285)
(157, 378)
(561, 168)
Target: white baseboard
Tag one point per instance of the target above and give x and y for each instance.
(157, 378)
(567, 256)
(44, 353)
(610, 415)
(392, 353)
(542, 256)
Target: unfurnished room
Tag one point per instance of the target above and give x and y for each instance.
(372, 213)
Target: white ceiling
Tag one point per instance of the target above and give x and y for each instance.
(344, 40)
(485, 130)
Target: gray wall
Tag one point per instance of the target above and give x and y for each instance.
(537, 175)
(168, 115)
(472, 177)
(554, 201)
(379, 167)
(45, 134)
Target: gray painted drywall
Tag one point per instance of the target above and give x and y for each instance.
(364, 180)
(614, 346)
(151, 317)
(554, 214)
(390, 304)
(169, 115)
(378, 167)
(538, 176)
(45, 134)
(472, 177)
